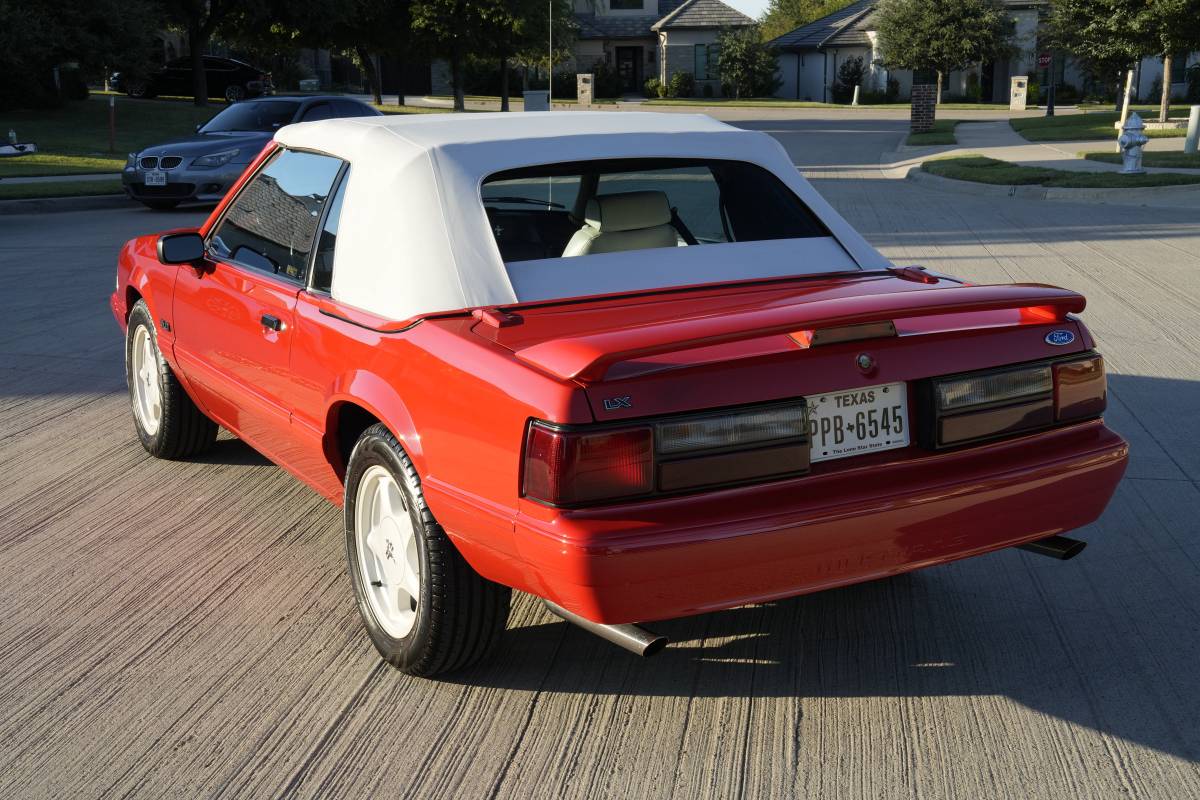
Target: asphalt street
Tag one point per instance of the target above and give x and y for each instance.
(187, 629)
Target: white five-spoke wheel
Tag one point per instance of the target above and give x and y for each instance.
(168, 423)
(387, 551)
(426, 610)
(147, 395)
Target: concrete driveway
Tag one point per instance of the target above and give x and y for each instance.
(187, 629)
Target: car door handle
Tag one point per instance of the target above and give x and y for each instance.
(274, 323)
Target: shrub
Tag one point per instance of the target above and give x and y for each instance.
(1193, 82)
(1033, 93)
(746, 64)
(654, 88)
(850, 74)
(683, 84)
(482, 76)
(567, 88)
(74, 86)
(973, 92)
(607, 81)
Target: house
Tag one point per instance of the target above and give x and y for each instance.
(641, 39)
(811, 55)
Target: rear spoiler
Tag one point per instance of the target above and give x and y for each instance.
(588, 357)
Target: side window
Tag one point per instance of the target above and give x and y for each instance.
(323, 263)
(316, 112)
(273, 221)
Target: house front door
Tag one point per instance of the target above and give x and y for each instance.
(629, 67)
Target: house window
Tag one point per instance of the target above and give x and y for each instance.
(1179, 68)
(625, 5)
(706, 62)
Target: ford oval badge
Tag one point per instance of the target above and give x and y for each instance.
(1059, 338)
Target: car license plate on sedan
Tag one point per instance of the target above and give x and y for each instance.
(156, 177)
(857, 421)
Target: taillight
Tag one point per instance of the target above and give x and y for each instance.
(576, 466)
(1080, 389)
(565, 467)
(983, 405)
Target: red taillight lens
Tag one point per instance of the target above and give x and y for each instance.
(1080, 389)
(564, 467)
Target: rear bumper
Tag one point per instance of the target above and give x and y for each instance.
(692, 555)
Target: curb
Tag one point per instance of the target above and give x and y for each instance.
(1164, 196)
(45, 205)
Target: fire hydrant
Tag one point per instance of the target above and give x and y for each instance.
(1130, 142)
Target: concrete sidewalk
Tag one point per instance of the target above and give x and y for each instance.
(998, 140)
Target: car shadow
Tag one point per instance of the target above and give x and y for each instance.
(1108, 640)
(231, 451)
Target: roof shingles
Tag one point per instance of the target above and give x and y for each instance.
(671, 14)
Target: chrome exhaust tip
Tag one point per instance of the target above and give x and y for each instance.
(1060, 547)
(633, 638)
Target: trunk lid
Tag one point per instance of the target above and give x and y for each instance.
(671, 352)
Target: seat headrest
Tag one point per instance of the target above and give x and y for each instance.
(628, 211)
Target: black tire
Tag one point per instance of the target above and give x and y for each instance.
(460, 615)
(160, 205)
(183, 430)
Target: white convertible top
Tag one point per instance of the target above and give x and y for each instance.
(414, 237)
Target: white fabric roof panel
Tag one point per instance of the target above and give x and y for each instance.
(414, 237)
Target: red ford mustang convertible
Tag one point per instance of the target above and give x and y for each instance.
(630, 363)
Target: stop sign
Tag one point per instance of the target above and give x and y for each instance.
(1044, 60)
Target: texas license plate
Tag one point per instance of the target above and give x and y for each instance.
(857, 421)
(156, 177)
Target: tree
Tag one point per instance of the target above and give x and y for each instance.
(519, 32)
(454, 28)
(38, 36)
(746, 65)
(199, 20)
(1170, 27)
(942, 35)
(1104, 35)
(783, 16)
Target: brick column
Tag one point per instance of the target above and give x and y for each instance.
(924, 97)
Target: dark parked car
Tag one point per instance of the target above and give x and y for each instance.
(227, 77)
(204, 165)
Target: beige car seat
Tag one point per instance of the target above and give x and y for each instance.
(624, 221)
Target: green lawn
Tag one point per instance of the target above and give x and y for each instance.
(942, 133)
(775, 102)
(516, 99)
(395, 109)
(73, 140)
(1083, 127)
(58, 164)
(981, 169)
(1151, 159)
(68, 188)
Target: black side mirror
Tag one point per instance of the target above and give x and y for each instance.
(180, 248)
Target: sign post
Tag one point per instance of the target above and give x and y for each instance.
(1046, 62)
(112, 123)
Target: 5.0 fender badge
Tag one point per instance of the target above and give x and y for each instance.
(1060, 337)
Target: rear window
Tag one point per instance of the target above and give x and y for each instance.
(599, 207)
(260, 115)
